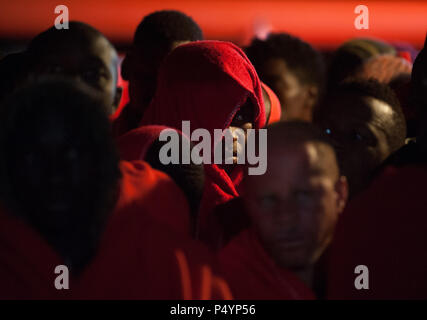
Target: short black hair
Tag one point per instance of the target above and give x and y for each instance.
(305, 61)
(166, 26)
(381, 91)
(48, 38)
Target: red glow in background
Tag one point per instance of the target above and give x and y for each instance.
(323, 23)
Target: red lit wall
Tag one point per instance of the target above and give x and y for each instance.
(324, 23)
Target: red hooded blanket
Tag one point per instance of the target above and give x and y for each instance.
(206, 82)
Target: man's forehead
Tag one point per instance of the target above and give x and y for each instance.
(276, 64)
(355, 109)
(373, 113)
(295, 165)
(84, 49)
(309, 155)
(380, 109)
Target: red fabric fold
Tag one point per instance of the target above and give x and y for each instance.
(149, 205)
(384, 229)
(135, 144)
(275, 107)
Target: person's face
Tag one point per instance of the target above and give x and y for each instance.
(294, 206)
(297, 99)
(54, 168)
(142, 69)
(244, 120)
(93, 62)
(358, 126)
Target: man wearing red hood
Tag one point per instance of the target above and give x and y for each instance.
(214, 86)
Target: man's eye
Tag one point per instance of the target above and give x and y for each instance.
(304, 197)
(93, 76)
(357, 137)
(54, 69)
(238, 117)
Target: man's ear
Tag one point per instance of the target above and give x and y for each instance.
(267, 105)
(341, 187)
(312, 95)
(117, 97)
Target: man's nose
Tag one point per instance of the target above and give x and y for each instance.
(288, 215)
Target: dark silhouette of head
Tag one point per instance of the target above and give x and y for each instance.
(13, 73)
(58, 164)
(293, 69)
(80, 52)
(157, 34)
(419, 91)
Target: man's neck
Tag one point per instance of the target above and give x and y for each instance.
(306, 275)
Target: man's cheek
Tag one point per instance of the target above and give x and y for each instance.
(265, 225)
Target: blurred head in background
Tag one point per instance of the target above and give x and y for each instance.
(351, 55)
(158, 34)
(384, 68)
(293, 69)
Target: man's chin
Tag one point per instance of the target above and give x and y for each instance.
(294, 261)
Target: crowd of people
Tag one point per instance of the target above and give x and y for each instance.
(82, 184)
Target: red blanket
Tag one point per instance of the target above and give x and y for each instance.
(205, 82)
(253, 275)
(139, 256)
(384, 229)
